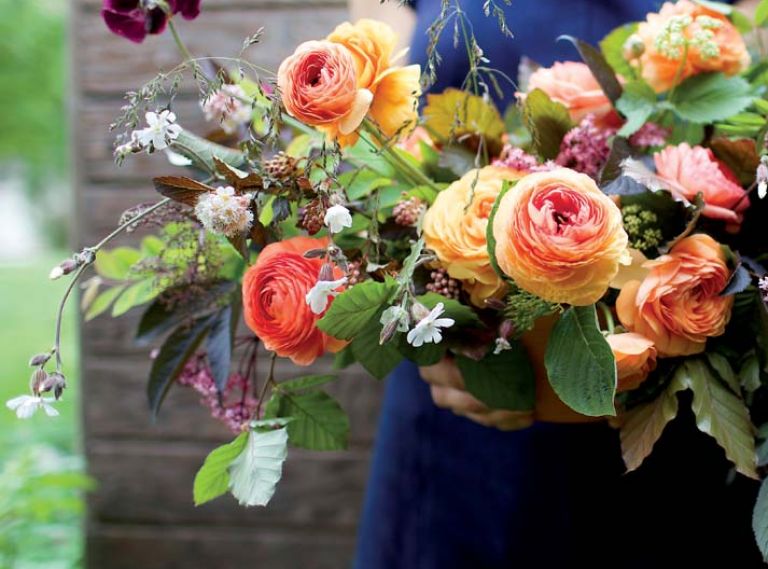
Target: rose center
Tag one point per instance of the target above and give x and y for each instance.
(561, 207)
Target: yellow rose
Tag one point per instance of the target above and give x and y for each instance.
(559, 237)
(454, 228)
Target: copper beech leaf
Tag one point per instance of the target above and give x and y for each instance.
(548, 121)
(643, 425)
(453, 113)
(760, 513)
(181, 189)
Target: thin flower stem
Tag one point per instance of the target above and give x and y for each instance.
(608, 315)
(179, 42)
(60, 316)
(268, 381)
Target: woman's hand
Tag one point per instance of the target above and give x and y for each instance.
(449, 392)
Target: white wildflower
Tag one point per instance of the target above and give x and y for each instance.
(502, 344)
(224, 212)
(27, 405)
(762, 179)
(336, 218)
(428, 329)
(160, 132)
(226, 107)
(317, 297)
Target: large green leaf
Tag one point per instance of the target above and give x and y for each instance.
(710, 97)
(454, 112)
(643, 425)
(489, 236)
(719, 413)
(548, 122)
(305, 382)
(461, 313)
(612, 47)
(359, 184)
(760, 513)
(424, 355)
(116, 263)
(135, 295)
(378, 360)
(637, 104)
(761, 13)
(212, 480)
(580, 363)
(199, 150)
(502, 381)
(102, 302)
(174, 353)
(319, 422)
(254, 474)
(354, 308)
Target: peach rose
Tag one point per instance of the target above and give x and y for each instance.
(572, 84)
(559, 237)
(635, 359)
(678, 304)
(395, 89)
(319, 87)
(455, 229)
(274, 304)
(689, 171)
(717, 45)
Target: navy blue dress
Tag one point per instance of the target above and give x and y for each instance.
(446, 493)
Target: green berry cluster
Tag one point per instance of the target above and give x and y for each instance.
(524, 308)
(641, 226)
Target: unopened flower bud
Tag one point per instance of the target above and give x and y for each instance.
(419, 311)
(326, 272)
(495, 304)
(633, 47)
(54, 382)
(506, 329)
(39, 359)
(388, 331)
(37, 379)
(314, 253)
(63, 268)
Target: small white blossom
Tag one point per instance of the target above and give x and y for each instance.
(502, 344)
(27, 405)
(428, 329)
(395, 314)
(762, 179)
(317, 297)
(226, 107)
(224, 212)
(337, 218)
(161, 130)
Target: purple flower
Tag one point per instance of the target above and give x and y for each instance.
(585, 147)
(134, 19)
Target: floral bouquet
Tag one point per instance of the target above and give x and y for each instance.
(600, 241)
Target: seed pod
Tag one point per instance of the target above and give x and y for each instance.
(37, 379)
(419, 311)
(39, 359)
(314, 253)
(326, 272)
(55, 382)
(388, 332)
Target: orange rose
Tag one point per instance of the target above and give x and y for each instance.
(572, 84)
(395, 90)
(689, 171)
(678, 304)
(455, 229)
(274, 300)
(318, 84)
(635, 359)
(559, 237)
(714, 44)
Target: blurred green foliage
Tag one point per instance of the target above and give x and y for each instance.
(33, 65)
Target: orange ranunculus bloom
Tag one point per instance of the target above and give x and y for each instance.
(635, 359)
(678, 304)
(275, 308)
(572, 84)
(559, 237)
(395, 89)
(318, 84)
(660, 66)
(689, 171)
(455, 229)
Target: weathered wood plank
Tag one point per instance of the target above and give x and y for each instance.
(160, 547)
(118, 65)
(152, 483)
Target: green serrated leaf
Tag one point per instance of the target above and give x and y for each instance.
(761, 13)
(361, 183)
(643, 425)
(760, 513)
(452, 113)
(749, 374)
(319, 422)
(724, 371)
(425, 355)
(354, 308)
(378, 360)
(135, 295)
(501, 381)
(116, 263)
(489, 236)
(710, 97)
(637, 103)
(580, 363)
(548, 122)
(612, 47)
(254, 474)
(461, 313)
(305, 382)
(719, 413)
(199, 150)
(102, 302)
(212, 480)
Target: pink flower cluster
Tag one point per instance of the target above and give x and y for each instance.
(649, 135)
(236, 406)
(585, 147)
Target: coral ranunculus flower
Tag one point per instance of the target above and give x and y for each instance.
(635, 359)
(455, 229)
(678, 305)
(395, 89)
(318, 84)
(572, 84)
(559, 237)
(690, 171)
(714, 44)
(274, 300)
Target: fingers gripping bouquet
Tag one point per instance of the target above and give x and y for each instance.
(616, 206)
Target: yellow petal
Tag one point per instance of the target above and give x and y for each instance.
(632, 271)
(349, 123)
